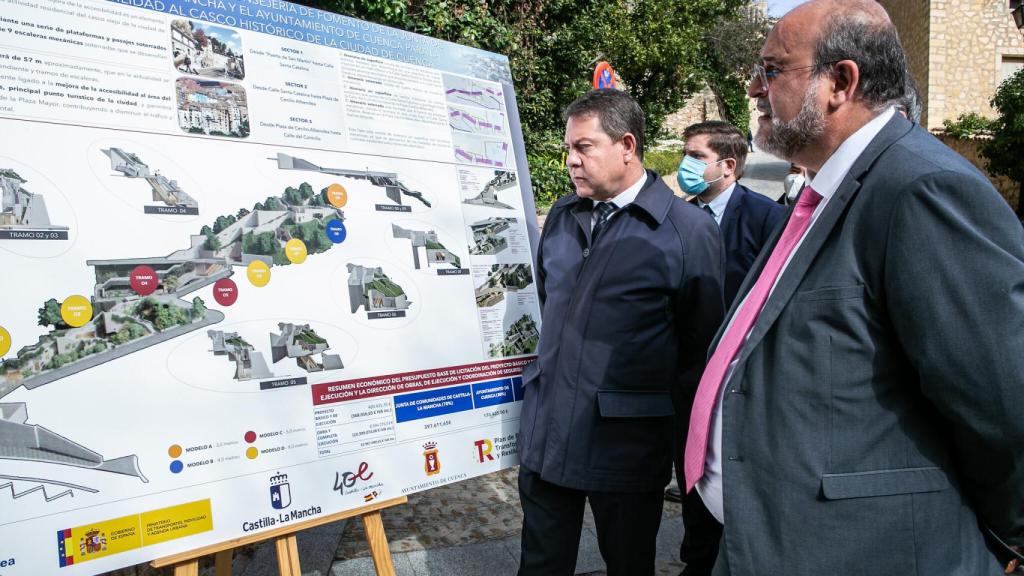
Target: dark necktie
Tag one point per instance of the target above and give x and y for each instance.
(604, 212)
(707, 208)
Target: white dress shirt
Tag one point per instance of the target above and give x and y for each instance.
(719, 203)
(825, 183)
(621, 200)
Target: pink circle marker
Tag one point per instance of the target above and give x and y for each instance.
(225, 291)
(144, 280)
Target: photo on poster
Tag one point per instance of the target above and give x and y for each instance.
(212, 108)
(203, 49)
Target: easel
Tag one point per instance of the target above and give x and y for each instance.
(187, 563)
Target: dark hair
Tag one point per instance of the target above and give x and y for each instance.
(616, 111)
(724, 139)
(874, 45)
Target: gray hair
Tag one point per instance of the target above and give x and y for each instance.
(910, 103)
(874, 45)
(616, 111)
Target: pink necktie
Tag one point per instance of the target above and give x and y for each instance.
(732, 340)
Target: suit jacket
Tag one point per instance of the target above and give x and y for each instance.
(747, 224)
(873, 417)
(627, 323)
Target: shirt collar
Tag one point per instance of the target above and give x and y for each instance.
(838, 165)
(719, 203)
(627, 196)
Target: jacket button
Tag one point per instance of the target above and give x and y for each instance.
(586, 252)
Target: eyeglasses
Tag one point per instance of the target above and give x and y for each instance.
(764, 75)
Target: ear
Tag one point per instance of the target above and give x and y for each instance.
(628, 147)
(845, 80)
(728, 166)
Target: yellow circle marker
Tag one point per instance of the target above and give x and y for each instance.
(337, 195)
(174, 451)
(251, 453)
(258, 273)
(295, 250)
(76, 311)
(5, 341)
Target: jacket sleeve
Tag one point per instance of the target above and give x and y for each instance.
(700, 303)
(954, 283)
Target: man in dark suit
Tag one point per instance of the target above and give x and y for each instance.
(745, 217)
(630, 282)
(715, 157)
(857, 414)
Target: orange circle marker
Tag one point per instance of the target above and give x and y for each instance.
(174, 451)
(337, 195)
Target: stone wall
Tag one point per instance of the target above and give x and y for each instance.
(700, 107)
(968, 41)
(955, 50)
(913, 22)
(970, 149)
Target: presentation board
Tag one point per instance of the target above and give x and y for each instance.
(261, 263)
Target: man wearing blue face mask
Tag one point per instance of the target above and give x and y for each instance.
(716, 153)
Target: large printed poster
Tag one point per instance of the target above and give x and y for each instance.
(260, 263)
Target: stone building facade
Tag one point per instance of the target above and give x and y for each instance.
(959, 51)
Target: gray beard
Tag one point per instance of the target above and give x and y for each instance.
(786, 139)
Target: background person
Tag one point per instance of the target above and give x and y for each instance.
(715, 155)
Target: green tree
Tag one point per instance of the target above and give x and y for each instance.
(222, 222)
(49, 315)
(731, 46)
(1003, 151)
(212, 243)
(198, 308)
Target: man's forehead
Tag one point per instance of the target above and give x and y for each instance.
(792, 37)
(696, 143)
(583, 127)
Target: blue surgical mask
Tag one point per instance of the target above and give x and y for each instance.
(691, 175)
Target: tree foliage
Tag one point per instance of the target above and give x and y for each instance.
(49, 315)
(1003, 151)
(730, 48)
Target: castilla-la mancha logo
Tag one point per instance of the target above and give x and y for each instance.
(431, 461)
(280, 492)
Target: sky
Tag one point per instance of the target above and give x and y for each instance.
(779, 7)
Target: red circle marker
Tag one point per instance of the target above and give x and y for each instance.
(144, 280)
(225, 291)
(250, 436)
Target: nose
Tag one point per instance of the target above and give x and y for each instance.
(755, 89)
(572, 159)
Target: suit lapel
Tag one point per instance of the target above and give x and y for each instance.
(732, 210)
(582, 211)
(812, 244)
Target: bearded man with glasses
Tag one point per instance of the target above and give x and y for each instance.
(855, 415)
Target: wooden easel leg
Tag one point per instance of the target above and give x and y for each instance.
(188, 568)
(288, 556)
(378, 542)
(222, 563)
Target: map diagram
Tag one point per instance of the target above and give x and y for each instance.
(460, 90)
(164, 190)
(489, 195)
(21, 211)
(483, 122)
(471, 149)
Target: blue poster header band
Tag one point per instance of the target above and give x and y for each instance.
(315, 26)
